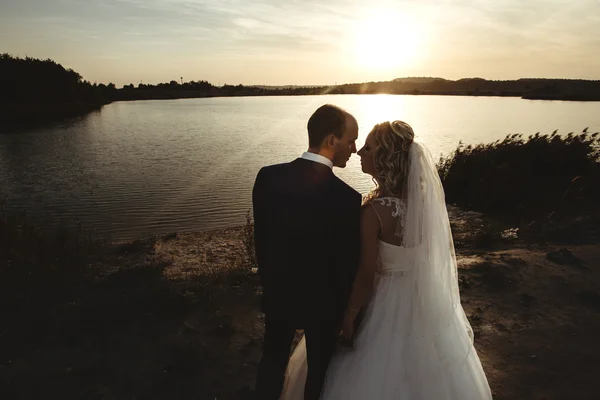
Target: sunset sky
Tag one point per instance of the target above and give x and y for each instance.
(278, 42)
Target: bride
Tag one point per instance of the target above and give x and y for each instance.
(414, 342)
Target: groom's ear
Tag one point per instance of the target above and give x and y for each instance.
(330, 140)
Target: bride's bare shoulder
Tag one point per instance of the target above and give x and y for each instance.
(369, 212)
(369, 219)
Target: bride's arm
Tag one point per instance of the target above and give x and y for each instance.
(363, 283)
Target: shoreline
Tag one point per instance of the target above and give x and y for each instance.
(40, 115)
(522, 96)
(30, 115)
(450, 94)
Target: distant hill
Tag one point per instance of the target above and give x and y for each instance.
(274, 87)
(549, 89)
(418, 80)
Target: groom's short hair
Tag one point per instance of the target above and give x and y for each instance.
(326, 120)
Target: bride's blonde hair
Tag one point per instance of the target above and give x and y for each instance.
(391, 158)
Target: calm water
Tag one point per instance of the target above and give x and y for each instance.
(151, 167)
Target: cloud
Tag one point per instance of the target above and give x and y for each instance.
(461, 35)
(227, 25)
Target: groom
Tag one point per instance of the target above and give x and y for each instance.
(307, 235)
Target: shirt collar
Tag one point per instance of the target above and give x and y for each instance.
(317, 158)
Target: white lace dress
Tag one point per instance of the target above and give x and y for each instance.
(382, 366)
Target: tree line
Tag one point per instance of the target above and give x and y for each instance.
(34, 90)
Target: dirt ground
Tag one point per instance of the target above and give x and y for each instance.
(177, 318)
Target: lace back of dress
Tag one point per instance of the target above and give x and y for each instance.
(391, 212)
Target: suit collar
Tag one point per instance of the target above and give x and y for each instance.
(312, 166)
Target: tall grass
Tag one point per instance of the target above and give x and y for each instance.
(523, 180)
(248, 240)
(26, 251)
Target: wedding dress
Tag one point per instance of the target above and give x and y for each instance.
(415, 342)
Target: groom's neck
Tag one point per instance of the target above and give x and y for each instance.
(320, 152)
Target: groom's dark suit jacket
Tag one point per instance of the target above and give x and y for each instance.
(307, 237)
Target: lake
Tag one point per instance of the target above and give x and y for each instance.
(152, 167)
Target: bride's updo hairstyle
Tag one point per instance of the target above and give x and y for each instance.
(391, 158)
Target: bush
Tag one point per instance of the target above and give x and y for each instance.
(523, 180)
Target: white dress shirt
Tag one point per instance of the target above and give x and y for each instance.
(317, 158)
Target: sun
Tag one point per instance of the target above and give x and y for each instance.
(387, 42)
